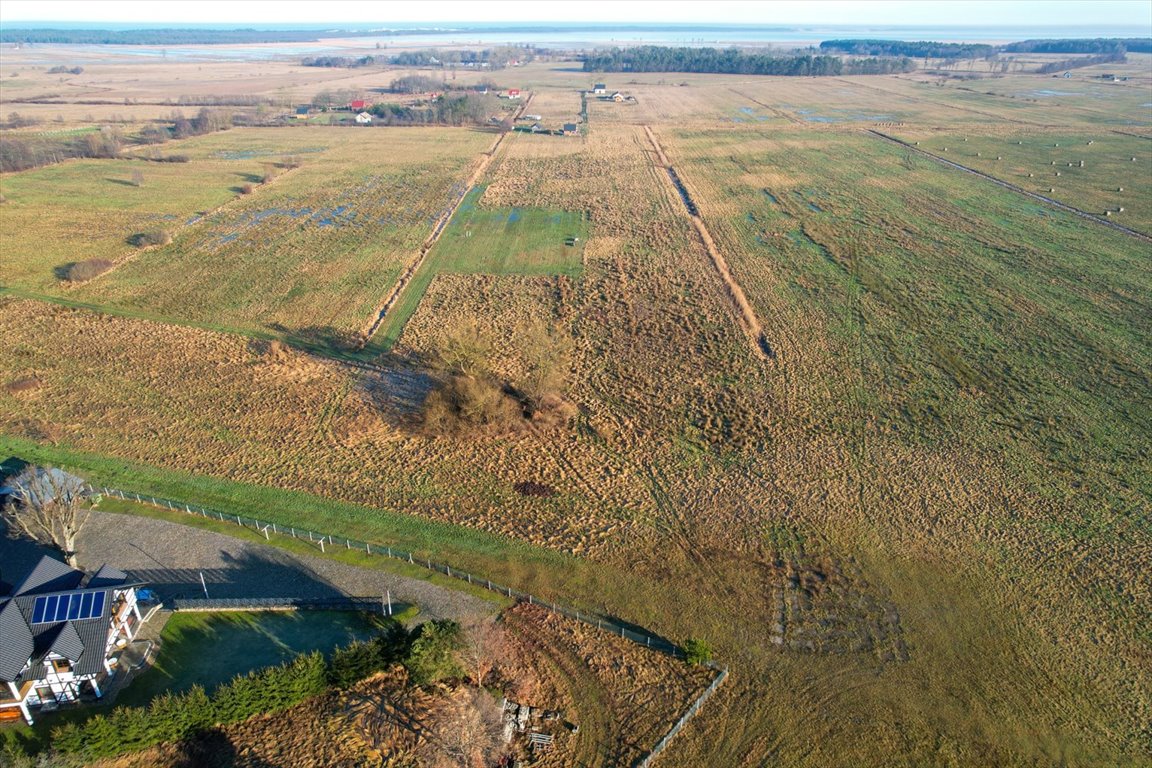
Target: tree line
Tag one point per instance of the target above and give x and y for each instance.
(449, 109)
(655, 58)
(22, 152)
(921, 49)
(1084, 61)
(926, 49)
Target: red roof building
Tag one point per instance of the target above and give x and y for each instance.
(358, 105)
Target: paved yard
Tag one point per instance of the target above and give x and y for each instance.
(171, 558)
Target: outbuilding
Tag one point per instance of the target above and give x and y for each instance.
(599, 89)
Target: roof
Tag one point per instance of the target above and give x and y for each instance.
(49, 576)
(301, 110)
(17, 647)
(600, 87)
(81, 640)
(107, 576)
(570, 127)
(66, 642)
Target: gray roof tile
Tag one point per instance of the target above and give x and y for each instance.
(16, 644)
(49, 576)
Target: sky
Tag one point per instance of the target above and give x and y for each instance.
(1135, 13)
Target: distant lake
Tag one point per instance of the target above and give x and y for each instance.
(568, 36)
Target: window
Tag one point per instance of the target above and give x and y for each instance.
(62, 665)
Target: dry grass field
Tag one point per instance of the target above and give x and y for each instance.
(918, 535)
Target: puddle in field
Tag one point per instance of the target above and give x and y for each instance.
(811, 205)
(771, 197)
(249, 154)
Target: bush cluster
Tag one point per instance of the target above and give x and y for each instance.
(428, 652)
(171, 717)
(88, 269)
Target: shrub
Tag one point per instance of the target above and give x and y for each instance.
(24, 384)
(697, 651)
(246, 189)
(88, 269)
(433, 653)
(151, 237)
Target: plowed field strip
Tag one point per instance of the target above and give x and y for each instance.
(745, 315)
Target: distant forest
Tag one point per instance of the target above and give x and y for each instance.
(655, 58)
(932, 50)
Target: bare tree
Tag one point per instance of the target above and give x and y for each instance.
(465, 731)
(51, 506)
(485, 647)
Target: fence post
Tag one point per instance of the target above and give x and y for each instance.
(367, 547)
(322, 546)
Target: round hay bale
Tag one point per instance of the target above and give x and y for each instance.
(998, 157)
(1055, 145)
(1107, 213)
(1120, 209)
(1119, 189)
(1057, 173)
(1031, 175)
(1051, 189)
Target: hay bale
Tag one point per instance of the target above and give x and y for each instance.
(998, 157)
(1119, 189)
(1051, 189)
(1057, 173)
(1120, 209)
(1107, 213)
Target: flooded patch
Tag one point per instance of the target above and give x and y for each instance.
(250, 154)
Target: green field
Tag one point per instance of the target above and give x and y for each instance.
(495, 241)
(209, 649)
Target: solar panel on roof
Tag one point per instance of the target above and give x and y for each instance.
(53, 608)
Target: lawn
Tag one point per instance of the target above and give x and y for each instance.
(208, 649)
(492, 240)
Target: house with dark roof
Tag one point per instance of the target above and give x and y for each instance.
(571, 129)
(599, 89)
(59, 628)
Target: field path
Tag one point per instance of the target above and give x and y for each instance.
(1055, 203)
(745, 315)
(406, 277)
(171, 557)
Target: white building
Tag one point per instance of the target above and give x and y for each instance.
(364, 118)
(58, 629)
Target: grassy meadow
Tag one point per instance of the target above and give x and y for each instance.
(917, 536)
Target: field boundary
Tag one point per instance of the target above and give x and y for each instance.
(644, 762)
(325, 541)
(1008, 185)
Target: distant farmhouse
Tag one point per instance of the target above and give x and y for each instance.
(513, 93)
(599, 89)
(59, 629)
(571, 129)
(358, 105)
(364, 118)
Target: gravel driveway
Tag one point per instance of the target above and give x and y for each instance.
(171, 557)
